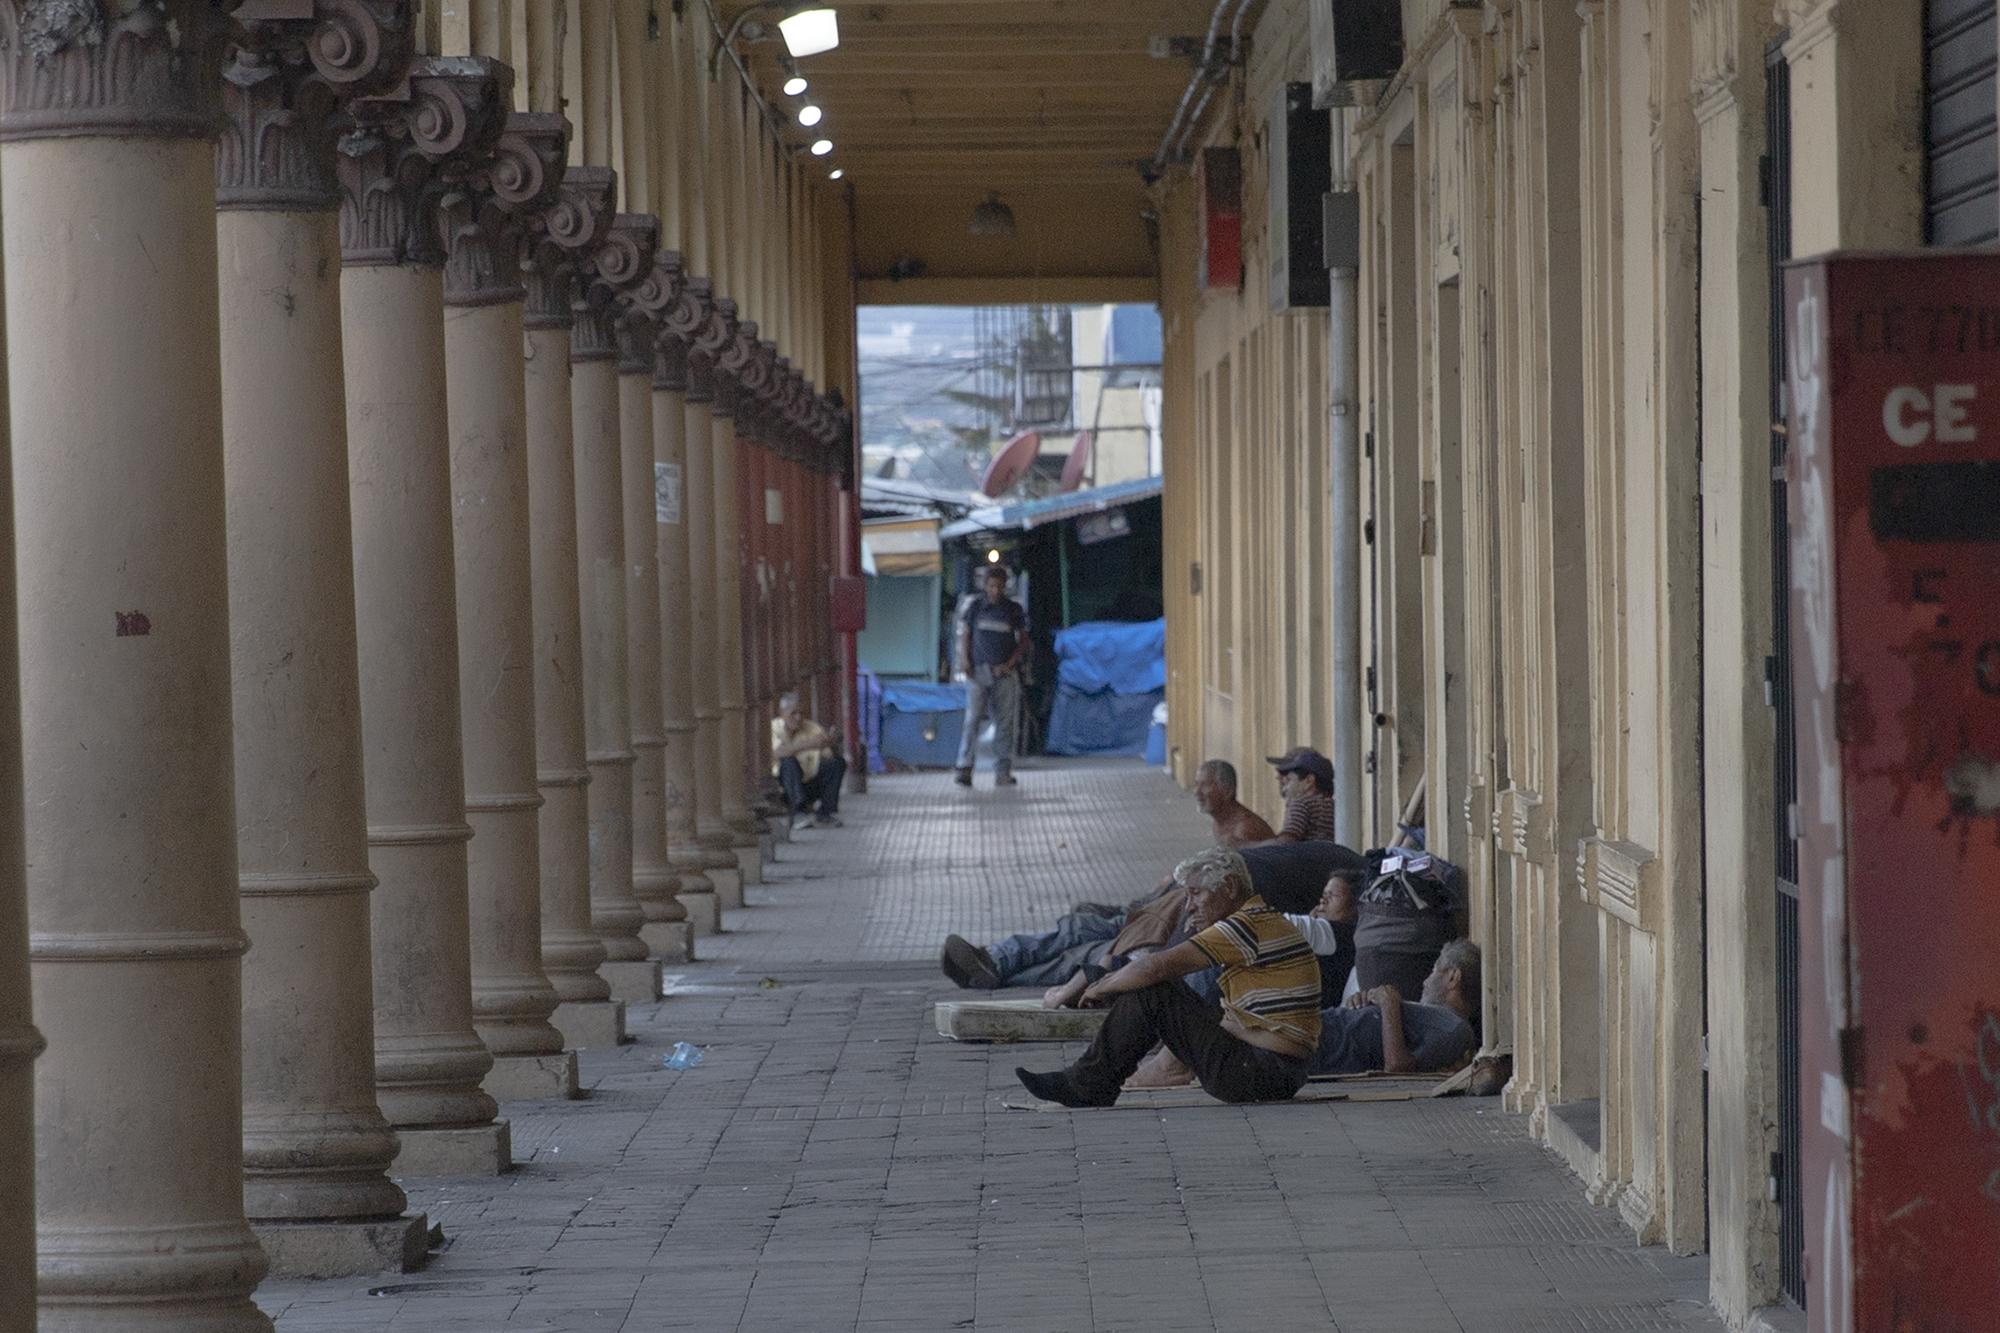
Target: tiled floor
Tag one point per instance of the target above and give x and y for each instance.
(833, 1164)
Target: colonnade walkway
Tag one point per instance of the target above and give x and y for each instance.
(834, 1164)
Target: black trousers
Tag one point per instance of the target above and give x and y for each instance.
(823, 787)
(1230, 1069)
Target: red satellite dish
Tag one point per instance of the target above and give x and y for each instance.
(1079, 461)
(1011, 464)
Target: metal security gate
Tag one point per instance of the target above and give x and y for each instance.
(1787, 1178)
(1961, 152)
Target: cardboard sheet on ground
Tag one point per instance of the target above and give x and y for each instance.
(1329, 1088)
(1015, 1020)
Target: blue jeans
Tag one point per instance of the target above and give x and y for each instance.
(1055, 956)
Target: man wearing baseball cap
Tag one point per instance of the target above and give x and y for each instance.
(1305, 778)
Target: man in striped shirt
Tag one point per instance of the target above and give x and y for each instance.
(1255, 1048)
(1305, 779)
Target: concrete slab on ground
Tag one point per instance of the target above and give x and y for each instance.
(835, 1164)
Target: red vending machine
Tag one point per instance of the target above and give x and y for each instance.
(1894, 418)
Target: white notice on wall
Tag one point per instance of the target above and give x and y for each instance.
(667, 492)
(774, 505)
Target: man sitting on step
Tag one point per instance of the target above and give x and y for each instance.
(1255, 1047)
(806, 761)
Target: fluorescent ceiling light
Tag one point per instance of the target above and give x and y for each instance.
(810, 31)
(821, 147)
(809, 115)
(795, 85)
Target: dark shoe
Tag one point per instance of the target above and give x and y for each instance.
(826, 821)
(1006, 780)
(968, 965)
(1060, 1088)
(963, 777)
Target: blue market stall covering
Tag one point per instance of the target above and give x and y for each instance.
(868, 688)
(1110, 675)
(920, 724)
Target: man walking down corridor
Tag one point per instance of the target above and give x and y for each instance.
(992, 642)
(807, 763)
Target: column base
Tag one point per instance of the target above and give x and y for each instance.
(728, 883)
(750, 864)
(704, 913)
(590, 1024)
(470, 1150)
(637, 982)
(344, 1249)
(671, 941)
(532, 1078)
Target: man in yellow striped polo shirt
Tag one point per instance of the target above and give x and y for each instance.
(1255, 1048)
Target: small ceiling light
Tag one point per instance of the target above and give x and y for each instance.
(795, 85)
(993, 556)
(821, 147)
(809, 115)
(810, 31)
(992, 218)
(836, 173)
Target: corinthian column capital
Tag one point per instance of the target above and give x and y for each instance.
(641, 305)
(670, 343)
(691, 316)
(562, 241)
(486, 210)
(616, 266)
(400, 146)
(289, 69)
(111, 67)
(715, 341)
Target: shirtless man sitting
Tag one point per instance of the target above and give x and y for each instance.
(1236, 824)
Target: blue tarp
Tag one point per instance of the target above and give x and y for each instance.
(869, 687)
(1101, 723)
(1113, 655)
(917, 696)
(1109, 677)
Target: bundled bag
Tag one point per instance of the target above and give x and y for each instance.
(1407, 914)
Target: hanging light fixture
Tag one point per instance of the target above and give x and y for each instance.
(821, 147)
(836, 173)
(808, 32)
(809, 115)
(992, 218)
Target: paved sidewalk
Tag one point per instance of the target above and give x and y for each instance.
(833, 1164)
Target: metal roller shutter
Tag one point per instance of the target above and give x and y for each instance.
(1961, 152)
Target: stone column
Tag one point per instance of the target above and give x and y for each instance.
(108, 114)
(571, 949)
(315, 1146)
(658, 887)
(615, 912)
(704, 636)
(484, 214)
(682, 649)
(732, 702)
(428, 1060)
(20, 1043)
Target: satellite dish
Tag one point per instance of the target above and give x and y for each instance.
(1011, 464)
(1079, 461)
